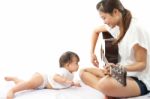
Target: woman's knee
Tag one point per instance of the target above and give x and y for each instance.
(82, 73)
(85, 70)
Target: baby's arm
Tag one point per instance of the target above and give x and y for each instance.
(60, 79)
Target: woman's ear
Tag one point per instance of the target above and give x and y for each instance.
(115, 12)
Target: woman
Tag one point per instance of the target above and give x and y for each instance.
(134, 51)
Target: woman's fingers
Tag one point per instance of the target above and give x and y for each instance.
(94, 60)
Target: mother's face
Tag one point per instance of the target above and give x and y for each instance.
(110, 19)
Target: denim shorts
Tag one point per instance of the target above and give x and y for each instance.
(141, 85)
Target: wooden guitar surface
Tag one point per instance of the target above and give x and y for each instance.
(111, 56)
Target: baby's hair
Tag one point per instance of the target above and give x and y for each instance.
(67, 58)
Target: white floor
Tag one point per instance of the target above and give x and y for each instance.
(84, 92)
(142, 97)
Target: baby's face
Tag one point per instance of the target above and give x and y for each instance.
(73, 66)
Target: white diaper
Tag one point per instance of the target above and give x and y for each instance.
(45, 81)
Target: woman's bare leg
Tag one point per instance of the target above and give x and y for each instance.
(94, 73)
(107, 85)
(33, 83)
(111, 87)
(108, 97)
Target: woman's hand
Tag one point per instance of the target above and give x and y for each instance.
(110, 64)
(94, 60)
(107, 68)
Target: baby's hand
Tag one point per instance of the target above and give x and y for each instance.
(69, 82)
(77, 84)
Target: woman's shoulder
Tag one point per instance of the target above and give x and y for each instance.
(136, 23)
(135, 27)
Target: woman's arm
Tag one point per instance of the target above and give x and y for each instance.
(95, 35)
(94, 39)
(140, 57)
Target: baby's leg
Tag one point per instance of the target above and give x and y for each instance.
(14, 79)
(34, 82)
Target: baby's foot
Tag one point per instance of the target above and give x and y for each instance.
(14, 79)
(10, 95)
(8, 78)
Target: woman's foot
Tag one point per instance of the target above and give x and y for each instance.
(108, 97)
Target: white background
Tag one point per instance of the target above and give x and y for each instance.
(34, 33)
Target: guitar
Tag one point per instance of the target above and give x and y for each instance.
(119, 73)
(111, 56)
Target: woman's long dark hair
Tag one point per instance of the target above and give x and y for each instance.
(107, 6)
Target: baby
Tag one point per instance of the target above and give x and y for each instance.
(63, 78)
